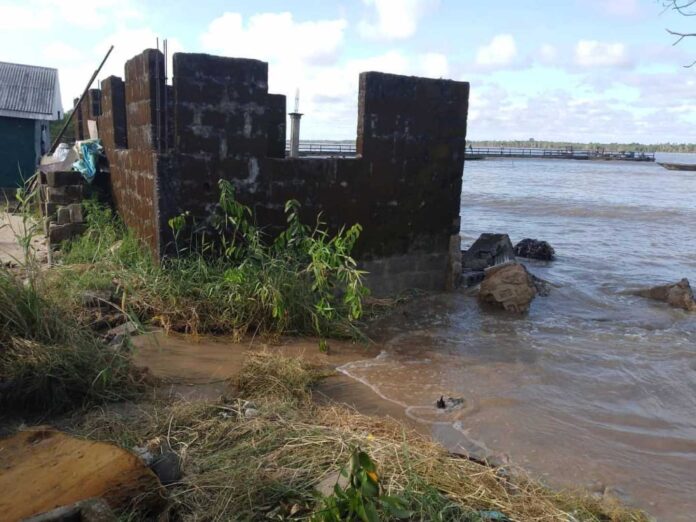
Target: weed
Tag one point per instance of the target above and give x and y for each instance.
(228, 277)
(48, 362)
(360, 499)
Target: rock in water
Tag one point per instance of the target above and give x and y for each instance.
(488, 250)
(508, 286)
(678, 295)
(535, 249)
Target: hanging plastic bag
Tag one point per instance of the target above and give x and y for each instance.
(88, 152)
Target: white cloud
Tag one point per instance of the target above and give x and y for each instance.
(272, 36)
(395, 19)
(620, 7)
(22, 17)
(61, 52)
(591, 53)
(45, 14)
(501, 52)
(76, 69)
(547, 55)
(434, 65)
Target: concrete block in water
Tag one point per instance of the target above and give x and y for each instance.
(488, 250)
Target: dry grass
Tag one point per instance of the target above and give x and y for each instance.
(268, 467)
(271, 376)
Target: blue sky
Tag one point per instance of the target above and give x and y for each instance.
(583, 70)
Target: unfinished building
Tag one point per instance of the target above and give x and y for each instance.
(168, 145)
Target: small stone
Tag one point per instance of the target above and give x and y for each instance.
(90, 510)
(677, 295)
(542, 286)
(97, 299)
(118, 335)
(63, 215)
(76, 213)
(472, 277)
(326, 486)
(535, 249)
(144, 454)
(251, 413)
(167, 467)
(59, 233)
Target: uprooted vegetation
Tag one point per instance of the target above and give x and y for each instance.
(48, 362)
(270, 465)
(228, 276)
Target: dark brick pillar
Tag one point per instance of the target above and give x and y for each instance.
(77, 120)
(276, 114)
(412, 134)
(112, 121)
(145, 100)
(220, 106)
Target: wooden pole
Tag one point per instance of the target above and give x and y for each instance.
(84, 93)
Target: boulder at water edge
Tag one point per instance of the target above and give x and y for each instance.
(508, 286)
(678, 295)
(535, 249)
(488, 250)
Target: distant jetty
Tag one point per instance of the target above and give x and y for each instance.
(476, 153)
(347, 149)
(679, 166)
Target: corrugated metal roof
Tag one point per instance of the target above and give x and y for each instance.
(27, 91)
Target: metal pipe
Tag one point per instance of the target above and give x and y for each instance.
(79, 101)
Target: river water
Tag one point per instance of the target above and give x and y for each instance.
(594, 388)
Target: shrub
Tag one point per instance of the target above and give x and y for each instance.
(228, 276)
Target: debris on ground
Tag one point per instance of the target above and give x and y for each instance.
(44, 469)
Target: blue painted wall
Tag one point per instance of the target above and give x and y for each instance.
(17, 150)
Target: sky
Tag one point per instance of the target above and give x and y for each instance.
(576, 70)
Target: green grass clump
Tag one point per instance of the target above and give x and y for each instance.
(48, 362)
(228, 277)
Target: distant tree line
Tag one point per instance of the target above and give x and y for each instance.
(56, 125)
(612, 147)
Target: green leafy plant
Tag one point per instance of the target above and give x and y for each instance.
(361, 499)
(229, 275)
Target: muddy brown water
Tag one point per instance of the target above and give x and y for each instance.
(595, 387)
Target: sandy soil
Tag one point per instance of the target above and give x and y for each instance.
(200, 367)
(11, 253)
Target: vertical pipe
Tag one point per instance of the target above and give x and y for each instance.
(166, 113)
(295, 134)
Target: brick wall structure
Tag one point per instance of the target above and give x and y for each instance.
(168, 146)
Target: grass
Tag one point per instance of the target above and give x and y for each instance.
(48, 362)
(239, 282)
(269, 466)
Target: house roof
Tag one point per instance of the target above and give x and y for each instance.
(28, 91)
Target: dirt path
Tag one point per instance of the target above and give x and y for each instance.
(11, 253)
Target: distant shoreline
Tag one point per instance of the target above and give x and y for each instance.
(544, 144)
(609, 147)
